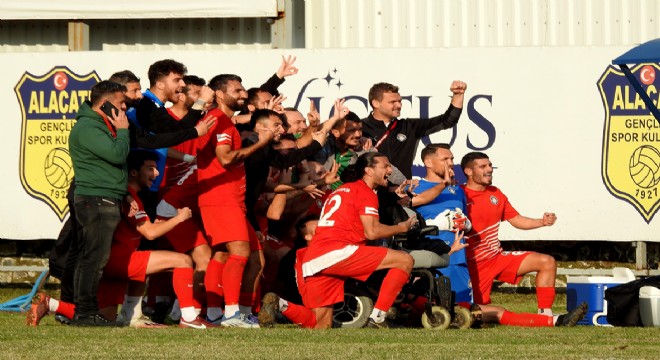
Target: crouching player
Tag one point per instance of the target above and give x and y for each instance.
(487, 206)
(126, 263)
(338, 249)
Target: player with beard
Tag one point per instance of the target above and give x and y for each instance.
(222, 186)
(487, 206)
(438, 193)
(338, 250)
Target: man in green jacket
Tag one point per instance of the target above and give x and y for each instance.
(99, 145)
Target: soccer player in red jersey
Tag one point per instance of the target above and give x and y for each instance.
(221, 184)
(338, 250)
(188, 237)
(487, 206)
(126, 263)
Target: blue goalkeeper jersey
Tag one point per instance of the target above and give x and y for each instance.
(450, 198)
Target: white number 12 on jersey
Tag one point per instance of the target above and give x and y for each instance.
(325, 217)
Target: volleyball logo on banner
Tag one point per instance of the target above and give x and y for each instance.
(49, 104)
(631, 139)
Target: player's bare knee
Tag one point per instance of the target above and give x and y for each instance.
(185, 261)
(407, 262)
(548, 263)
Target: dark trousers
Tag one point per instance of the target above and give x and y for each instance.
(97, 217)
(64, 255)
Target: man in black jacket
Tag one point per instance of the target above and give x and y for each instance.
(398, 138)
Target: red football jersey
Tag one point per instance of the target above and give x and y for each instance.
(183, 193)
(175, 169)
(340, 224)
(486, 209)
(219, 185)
(126, 237)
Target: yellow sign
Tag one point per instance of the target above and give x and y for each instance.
(631, 139)
(49, 104)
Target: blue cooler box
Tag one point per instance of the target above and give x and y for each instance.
(591, 289)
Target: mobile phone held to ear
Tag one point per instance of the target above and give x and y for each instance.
(107, 108)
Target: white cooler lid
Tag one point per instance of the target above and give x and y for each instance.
(649, 292)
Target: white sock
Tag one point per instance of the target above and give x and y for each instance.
(283, 305)
(554, 319)
(244, 309)
(188, 313)
(230, 310)
(175, 314)
(546, 311)
(378, 315)
(53, 304)
(214, 313)
(131, 308)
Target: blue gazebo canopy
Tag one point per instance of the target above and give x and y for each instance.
(648, 52)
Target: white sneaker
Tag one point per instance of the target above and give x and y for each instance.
(239, 320)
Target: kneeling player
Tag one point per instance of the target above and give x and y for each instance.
(127, 264)
(338, 249)
(487, 206)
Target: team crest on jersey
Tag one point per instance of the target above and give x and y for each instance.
(452, 190)
(49, 104)
(630, 153)
(493, 200)
(401, 137)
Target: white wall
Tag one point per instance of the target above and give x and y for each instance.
(543, 103)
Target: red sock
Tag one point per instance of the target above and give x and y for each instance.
(530, 320)
(392, 284)
(545, 297)
(182, 282)
(231, 278)
(66, 309)
(213, 284)
(299, 314)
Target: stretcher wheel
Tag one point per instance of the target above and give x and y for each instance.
(439, 320)
(462, 318)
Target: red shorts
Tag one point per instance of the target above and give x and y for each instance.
(326, 288)
(121, 268)
(125, 266)
(225, 224)
(186, 236)
(503, 267)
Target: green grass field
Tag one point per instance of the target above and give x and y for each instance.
(53, 341)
